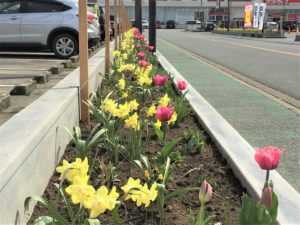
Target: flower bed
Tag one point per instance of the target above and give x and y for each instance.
(144, 160)
(249, 33)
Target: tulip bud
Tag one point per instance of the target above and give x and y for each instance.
(151, 48)
(138, 45)
(266, 198)
(181, 85)
(205, 193)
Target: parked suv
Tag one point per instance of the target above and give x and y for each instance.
(49, 23)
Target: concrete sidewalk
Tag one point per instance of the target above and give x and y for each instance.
(259, 119)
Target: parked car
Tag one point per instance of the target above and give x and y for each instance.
(209, 26)
(271, 26)
(98, 10)
(289, 24)
(170, 24)
(193, 25)
(145, 24)
(51, 24)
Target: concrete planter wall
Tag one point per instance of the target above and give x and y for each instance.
(33, 141)
(249, 34)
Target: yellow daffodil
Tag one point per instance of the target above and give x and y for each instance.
(116, 53)
(121, 84)
(133, 122)
(81, 192)
(173, 118)
(131, 188)
(165, 100)
(151, 110)
(71, 170)
(157, 124)
(125, 95)
(125, 56)
(133, 105)
(147, 195)
(123, 110)
(103, 201)
(109, 106)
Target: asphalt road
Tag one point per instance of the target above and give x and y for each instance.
(276, 65)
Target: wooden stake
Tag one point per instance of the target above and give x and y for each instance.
(115, 25)
(107, 37)
(120, 22)
(83, 60)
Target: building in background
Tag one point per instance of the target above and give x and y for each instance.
(214, 10)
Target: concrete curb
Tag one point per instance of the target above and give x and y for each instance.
(4, 100)
(239, 153)
(33, 141)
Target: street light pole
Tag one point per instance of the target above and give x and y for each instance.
(228, 14)
(152, 23)
(138, 14)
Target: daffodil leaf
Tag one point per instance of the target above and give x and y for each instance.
(92, 222)
(180, 192)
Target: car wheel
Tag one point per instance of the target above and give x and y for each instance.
(64, 45)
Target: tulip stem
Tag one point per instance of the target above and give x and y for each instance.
(267, 176)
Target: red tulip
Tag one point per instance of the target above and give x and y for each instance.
(141, 55)
(151, 48)
(268, 158)
(205, 193)
(181, 84)
(144, 63)
(160, 80)
(164, 113)
(266, 198)
(138, 46)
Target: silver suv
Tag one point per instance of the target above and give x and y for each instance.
(49, 23)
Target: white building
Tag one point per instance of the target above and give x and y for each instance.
(213, 10)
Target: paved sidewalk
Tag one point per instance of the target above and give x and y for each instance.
(259, 119)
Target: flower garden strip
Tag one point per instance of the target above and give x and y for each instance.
(144, 153)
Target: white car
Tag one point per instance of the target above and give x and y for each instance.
(51, 24)
(193, 25)
(145, 24)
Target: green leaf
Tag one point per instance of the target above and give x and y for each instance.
(95, 138)
(52, 210)
(166, 175)
(274, 209)
(167, 150)
(247, 214)
(92, 222)
(158, 132)
(181, 192)
(263, 216)
(44, 220)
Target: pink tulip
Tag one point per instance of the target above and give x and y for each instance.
(144, 63)
(142, 37)
(138, 46)
(205, 193)
(268, 158)
(181, 85)
(164, 113)
(141, 55)
(266, 198)
(160, 80)
(151, 48)
(137, 36)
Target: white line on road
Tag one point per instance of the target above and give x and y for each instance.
(247, 46)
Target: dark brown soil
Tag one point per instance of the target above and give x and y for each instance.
(207, 164)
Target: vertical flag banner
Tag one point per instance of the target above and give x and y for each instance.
(261, 15)
(248, 15)
(255, 15)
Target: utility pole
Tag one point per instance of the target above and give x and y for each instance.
(228, 15)
(152, 23)
(138, 15)
(83, 56)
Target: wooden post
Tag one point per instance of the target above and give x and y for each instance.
(83, 60)
(107, 36)
(115, 25)
(120, 23)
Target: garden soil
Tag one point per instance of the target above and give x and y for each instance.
(188, 170)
